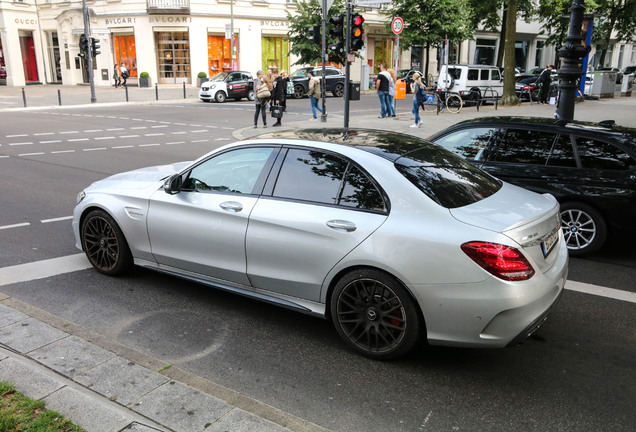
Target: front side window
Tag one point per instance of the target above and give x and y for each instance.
(235, 171)
(524, 147)
(495, 75)
(468, 143)
(595, 154)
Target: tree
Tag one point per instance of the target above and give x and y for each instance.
(308, 14)
(428, 23)
(509, 94)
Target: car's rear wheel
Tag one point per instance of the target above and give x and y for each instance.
(583, 227)
(374, 314)
(338, 90)
(299, 91)
(220, 97)
(251, 95)
(104, 244)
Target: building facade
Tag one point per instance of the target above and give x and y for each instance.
(174, 40)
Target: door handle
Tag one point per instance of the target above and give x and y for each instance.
(231, 206)
(342, 225)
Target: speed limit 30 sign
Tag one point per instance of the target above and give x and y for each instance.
(397, 25)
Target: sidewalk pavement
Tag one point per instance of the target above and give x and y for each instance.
(105, 386)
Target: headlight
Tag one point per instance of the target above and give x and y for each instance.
(212, 86)
(80, 197)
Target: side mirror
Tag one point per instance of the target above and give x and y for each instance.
(173, 184)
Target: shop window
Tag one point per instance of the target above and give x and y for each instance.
(275, 53)
(29, 62)
(173, 54)
(125, 52)
(219, 55)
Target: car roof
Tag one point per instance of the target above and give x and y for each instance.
(386, 144)
(619, 133)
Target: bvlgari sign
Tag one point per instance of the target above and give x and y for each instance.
(151, 20)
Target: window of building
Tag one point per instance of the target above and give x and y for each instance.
(173, 55)
(54, 57)
(275, 52)
(29, 62)
(126, 52)
(485, 51)
(539, 54)
(220, 54)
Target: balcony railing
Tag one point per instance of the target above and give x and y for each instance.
(168, 7)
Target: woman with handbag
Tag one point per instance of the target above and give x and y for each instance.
(262, 95)
(417, 88)
(285, 82)
(278, 96)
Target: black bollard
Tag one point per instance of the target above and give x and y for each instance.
(156, 92)
(184, 94)
(59, 96)
(23, 97)
(126, 87)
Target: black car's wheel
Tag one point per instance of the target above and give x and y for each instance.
(220, 97)
(338, 90)
(299, 91)
(105, 244)
(583, 227)
(251, 95)
(374, 314)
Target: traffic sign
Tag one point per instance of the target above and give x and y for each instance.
(397, 25)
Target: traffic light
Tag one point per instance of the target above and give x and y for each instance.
(83, 46)
(94, 46)
(337, 33)
(315, 34)
(356, 32)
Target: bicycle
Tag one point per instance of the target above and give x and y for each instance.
(439, 100)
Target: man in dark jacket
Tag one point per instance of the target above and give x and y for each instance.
(545, 79)
(278, 93)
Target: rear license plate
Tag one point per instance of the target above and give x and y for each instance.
(548, 244)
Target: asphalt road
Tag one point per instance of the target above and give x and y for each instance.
(576, 373)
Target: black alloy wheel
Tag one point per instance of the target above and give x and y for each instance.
(104, 244)
(374, 314)
(583, 228)
(299, 91)
(338, 90)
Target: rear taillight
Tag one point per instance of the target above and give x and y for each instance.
(505, 262)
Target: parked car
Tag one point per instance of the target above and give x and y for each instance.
(407, 76)
(334, 79)
(389, 236)
(629, 70)
(590, 168)
(471, 81)
(233, 85)
(526, 87)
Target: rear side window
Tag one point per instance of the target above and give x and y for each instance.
(456, 73)
(524, 146)
(473, 74)
(596, 154)
(484, 74)
(446, 178)
(468, 143)
(562, 153)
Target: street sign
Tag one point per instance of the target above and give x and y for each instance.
(228, 31)
(397, 25)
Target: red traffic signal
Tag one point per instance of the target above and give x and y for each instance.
(357, 32)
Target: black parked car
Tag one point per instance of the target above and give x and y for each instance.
(335, 80)
(407, 75)
(526, 87)
(590, 168)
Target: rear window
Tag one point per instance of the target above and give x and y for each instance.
(446, 178)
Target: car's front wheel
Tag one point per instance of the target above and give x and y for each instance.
(251, 95)
(583, 227)
(338, 90)
(374, 314)
(299, 91)
(220, 97)
(104, 244)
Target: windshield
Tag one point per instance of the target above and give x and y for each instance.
(301, 73)
(220, 77)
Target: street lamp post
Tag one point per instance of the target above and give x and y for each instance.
(571, 55)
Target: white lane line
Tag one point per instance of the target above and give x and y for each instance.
(43, 269)
(198, 141)
(180, 124)
(21, 143)
(175, 142)
(139, 127)
(95, 149)
(43, 133)
(200, 130)
(78, 139)
(31, 154)
(104, 138)
(154, 134)
(16, 136)
(159, 126)
(4, 157)
(601, 291)
(123, 146)
(114, 129)
(178, 133)
(56, 219)
(14, 226)
(62, 151)
(149, 145)
(129, 136)
(50, 141)
(92, 130)
(69, 132)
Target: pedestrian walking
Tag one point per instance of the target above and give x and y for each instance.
(382, 86)
(116, 76)
(544, 80)
(261, 104)
(278, 95)
(124, 74)
(391, 96)
(417, 88)
(314, 94)
(284, 79)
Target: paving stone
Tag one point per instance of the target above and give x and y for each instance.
(29, 334)
(10, 316)
(121, 380)
(181, 408)
(87, 411)
(39, 384)
(241, 421)
(71, 356)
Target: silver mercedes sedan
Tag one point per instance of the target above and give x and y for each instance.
(391, 237)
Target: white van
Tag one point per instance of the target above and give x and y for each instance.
(471, 81)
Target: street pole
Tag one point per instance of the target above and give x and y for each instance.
(571, 54)
(323, 85)
(232, 47)
(347, 65)
(89, 54)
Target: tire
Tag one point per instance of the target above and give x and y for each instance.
(430, 105)
(299, 91)
(251, 95)
(583, 227)
(220, 97)
(454, 103)
(338, 90)
(104, 244)
(374, 314)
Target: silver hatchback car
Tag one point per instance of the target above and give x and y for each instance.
(391, 237)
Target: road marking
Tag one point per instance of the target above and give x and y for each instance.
(92, 130)
(139, 127)
(20, 143)
(114, 129)
(104, 138)
(601, 291)
(56, 219)
(149, 145)
(69, 132)
(123, 146)
(178, 133)
(43, 269)
(129, 136)
(154, 134)
(15, 226)
(175, 142)
(198, 141)
(62, 151)
(43, 133)
(16, 136)
(200, 130)
(31, 154)
(95, 149)
(51, 141)
(78, 139)
(159, 126)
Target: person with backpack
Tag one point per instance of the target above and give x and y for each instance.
(314, 94)
(419, 96)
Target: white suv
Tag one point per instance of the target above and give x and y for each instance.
(472, 82)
